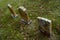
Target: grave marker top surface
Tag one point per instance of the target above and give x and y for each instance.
(9, 5)
(41, 18)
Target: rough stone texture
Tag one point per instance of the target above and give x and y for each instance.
(45, 27)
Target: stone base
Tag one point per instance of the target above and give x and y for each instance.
(25, 22)
(14, 16)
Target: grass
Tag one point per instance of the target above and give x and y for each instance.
(9, 27)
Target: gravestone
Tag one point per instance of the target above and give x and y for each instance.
(45, 27)
(25, 20)
(24, 15)
(12, 11)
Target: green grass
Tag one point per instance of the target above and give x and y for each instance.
(9, 27)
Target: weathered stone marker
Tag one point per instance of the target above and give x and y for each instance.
(45, 26)
(25, 20)
(12, 11)
(24, 16)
